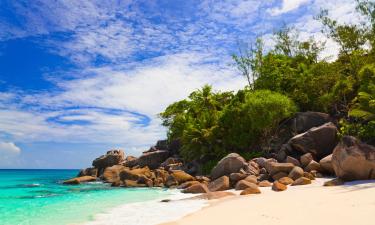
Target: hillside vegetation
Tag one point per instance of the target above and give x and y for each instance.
(288, 78)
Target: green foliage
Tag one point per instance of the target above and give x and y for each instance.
(361, 121)
(253, 116)
(213, 124)
(288, 76)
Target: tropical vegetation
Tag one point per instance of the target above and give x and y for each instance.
(290, 77)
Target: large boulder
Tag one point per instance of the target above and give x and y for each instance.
(152, 158)
(353, 160)
(326, 164)
(319, 141)
(112, 174)
(113, 157)
(232, 163)
(79, 180)
(304, 121)
(220, 184)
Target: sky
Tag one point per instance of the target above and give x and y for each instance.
(78, 78)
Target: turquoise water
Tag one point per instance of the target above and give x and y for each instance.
(38, 197)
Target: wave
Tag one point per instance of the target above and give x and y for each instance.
(150, 212)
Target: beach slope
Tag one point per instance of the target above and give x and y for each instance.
(352, 203)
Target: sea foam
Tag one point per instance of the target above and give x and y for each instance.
(150, 212)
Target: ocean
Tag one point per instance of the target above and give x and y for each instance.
(29, 197)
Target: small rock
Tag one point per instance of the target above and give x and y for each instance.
(265, 183)
(286, 180)
(279, 175)
(165, 200)
(263, 171)
(171, 181)
(277, 186)
(263, 177)
(308, 175)
(251, 179)
(313, 165)
(334, 182)
(215, 195)
(188, 184)
(243, 184)
(235, 177)
(292, 160)
(274, 168)
(196, 188)
(301, 181)
(181, 176)
(296, 173)
(253, 189)
(79, 180)
(326, 164)
(306, 159)
(220, 184)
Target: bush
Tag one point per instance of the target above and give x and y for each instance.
(212, 124)
(252, 117)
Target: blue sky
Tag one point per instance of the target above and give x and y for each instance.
(80, 77)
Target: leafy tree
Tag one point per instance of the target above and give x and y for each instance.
(248, 59)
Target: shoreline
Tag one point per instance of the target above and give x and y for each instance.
(310, 204)
(151, 212)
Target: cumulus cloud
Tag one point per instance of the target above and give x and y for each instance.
(147, 60)
(9, 148)
(112, 104)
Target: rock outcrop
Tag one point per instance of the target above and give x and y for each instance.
(353, 160)
(113, 157)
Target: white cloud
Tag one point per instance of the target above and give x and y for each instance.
(9, 148)
(111, 102)
(114, 105)
(287, 6)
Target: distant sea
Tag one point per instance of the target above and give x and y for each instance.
(39, 197)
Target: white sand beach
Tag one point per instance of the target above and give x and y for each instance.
(350, 204)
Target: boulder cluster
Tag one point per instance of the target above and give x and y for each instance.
(313, 151)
